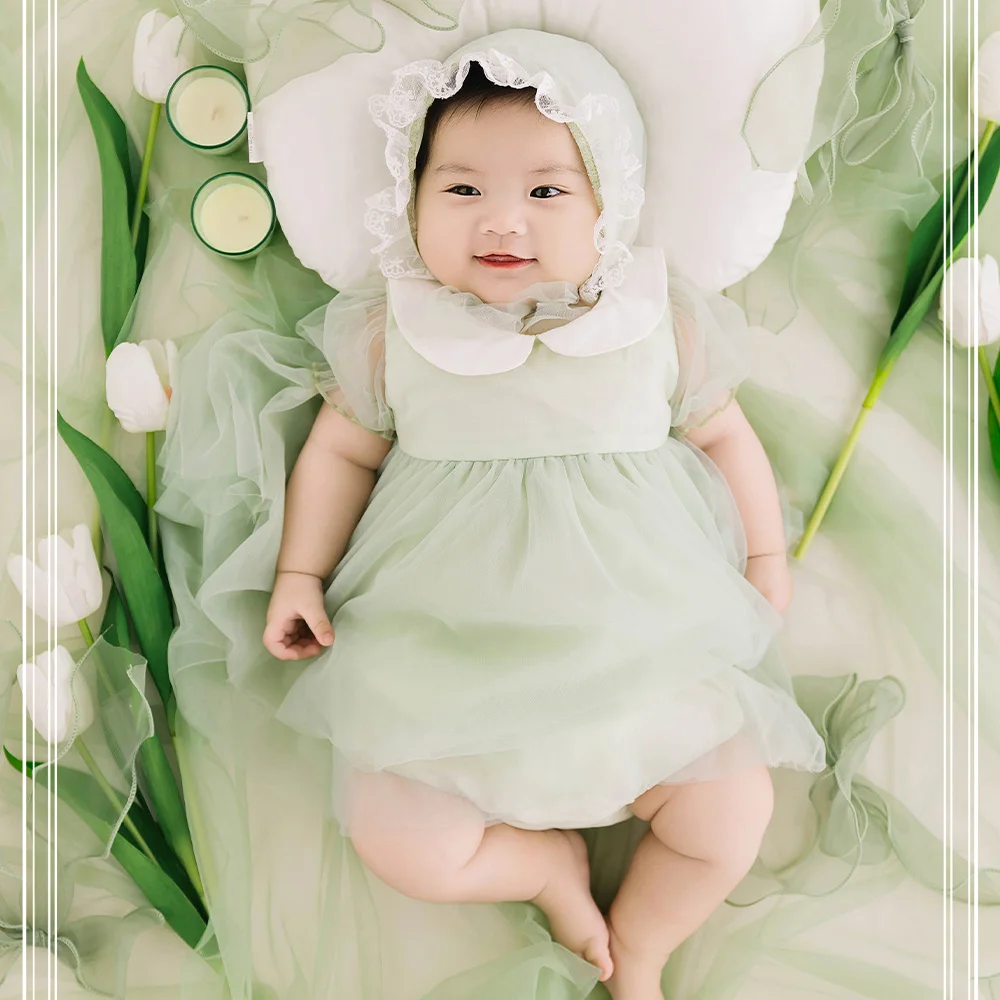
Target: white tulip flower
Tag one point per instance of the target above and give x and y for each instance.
(72, 573)
(162, 52)
(138, 382)
(54, 697)
(989, 78)
(961, 282)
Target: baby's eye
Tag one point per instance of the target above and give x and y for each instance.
(463, 190)
(546, 192)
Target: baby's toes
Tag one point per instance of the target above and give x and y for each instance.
(597, 951)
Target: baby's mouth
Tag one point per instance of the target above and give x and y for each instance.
(504, 261)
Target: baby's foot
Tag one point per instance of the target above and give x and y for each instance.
(636, 977)
(576, 921)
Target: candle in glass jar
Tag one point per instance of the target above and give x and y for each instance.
(233, 214)
(207, 108)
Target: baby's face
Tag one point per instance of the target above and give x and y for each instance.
(505, 202)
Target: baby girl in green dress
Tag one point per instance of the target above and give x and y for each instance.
(548, 539)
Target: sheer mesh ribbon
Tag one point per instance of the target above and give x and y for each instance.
(300, 36)
(858, 824)
(873, 87)
(875, 114)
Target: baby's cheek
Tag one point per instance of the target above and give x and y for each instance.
(584, 254)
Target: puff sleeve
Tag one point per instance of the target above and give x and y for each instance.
(713, 353)
(350, 333)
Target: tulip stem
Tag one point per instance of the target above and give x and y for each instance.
(88, 636)
(890, 355)
(991, 386)
(154, 542)
(112, 797)
(147, 159)
(898, 339)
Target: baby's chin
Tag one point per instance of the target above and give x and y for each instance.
(502, 287)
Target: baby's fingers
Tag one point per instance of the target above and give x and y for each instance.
(319, 624)
(277, 636)
(281, 638)
(295, 639)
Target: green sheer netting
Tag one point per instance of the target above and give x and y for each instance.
(875, 119)
(856, 822)
(821, 265)
(876, 87)
(67, 893)
(290, 38)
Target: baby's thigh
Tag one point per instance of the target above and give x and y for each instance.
(721, 821)
(405, 830)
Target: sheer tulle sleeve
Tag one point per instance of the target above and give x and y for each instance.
(351, 334)
(713, 352)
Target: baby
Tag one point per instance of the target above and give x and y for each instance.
(540, 626)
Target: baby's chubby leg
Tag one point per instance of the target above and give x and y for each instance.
(703, 839)
(433, 846)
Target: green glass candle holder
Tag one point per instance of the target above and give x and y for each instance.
(207, 109)
(233, 215)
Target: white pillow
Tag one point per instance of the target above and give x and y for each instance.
(692, 68)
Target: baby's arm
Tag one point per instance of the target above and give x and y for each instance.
(326, 496)
(731, 443)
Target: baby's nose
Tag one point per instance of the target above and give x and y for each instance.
(504, 220)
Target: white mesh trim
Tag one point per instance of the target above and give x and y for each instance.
(598, 115)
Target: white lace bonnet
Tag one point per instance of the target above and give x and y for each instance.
(574, 84)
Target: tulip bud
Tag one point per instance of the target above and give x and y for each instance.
(966, 281)
(989, 78)
(161, 53)
(55, 695)
(78, 584)
(138, 383)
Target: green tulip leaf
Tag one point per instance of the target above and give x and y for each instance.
(167, 799)
(81, 792)
(989, 167)
(926, 243)
(118, 258)
(141, 245)
(116, 128)
(992, 426)
(145, 592)
(114, 625)
(24, 767)
(95, 461)
(926, 250)
(157, 886)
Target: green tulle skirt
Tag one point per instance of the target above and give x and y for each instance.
(501, 637)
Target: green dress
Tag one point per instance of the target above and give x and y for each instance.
(543, 608)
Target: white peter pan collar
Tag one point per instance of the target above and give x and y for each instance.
(463, 342)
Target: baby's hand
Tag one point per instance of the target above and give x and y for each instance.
(297, 623)
(771, 576)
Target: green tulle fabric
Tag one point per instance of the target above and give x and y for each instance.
(860, 873)
(293, 37)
